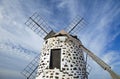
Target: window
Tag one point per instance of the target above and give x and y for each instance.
(55, 58)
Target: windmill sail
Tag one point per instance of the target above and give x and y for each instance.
(77, 24)
(38, 25)
(31, 69)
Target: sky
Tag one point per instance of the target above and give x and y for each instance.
(19, 45)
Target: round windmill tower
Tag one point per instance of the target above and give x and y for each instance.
(61, 58)
(62, 53)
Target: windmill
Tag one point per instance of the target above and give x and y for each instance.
(62, 55)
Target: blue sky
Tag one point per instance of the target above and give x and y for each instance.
(19, 45)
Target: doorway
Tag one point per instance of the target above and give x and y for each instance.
(55, 58)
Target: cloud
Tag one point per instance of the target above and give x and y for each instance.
(11, 64)
(101, 16)
(18, 49)
(18, 44)
(70, 5)
(97, 36)
(116, 34)
(10, 74)
(112, 57)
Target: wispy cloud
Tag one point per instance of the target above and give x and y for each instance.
(112, 57)
(10, 74)
(102, 29)
(97, 36)
(18, 44)
(17, 49)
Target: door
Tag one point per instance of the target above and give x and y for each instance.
(55, 58)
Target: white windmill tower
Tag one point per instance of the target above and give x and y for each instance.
(62, 53)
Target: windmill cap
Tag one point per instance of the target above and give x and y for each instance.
(62, 33)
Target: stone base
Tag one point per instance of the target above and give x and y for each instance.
(54, 74)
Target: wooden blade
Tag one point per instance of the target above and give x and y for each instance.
(77, 24)
(31, 69)
(38, 25)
